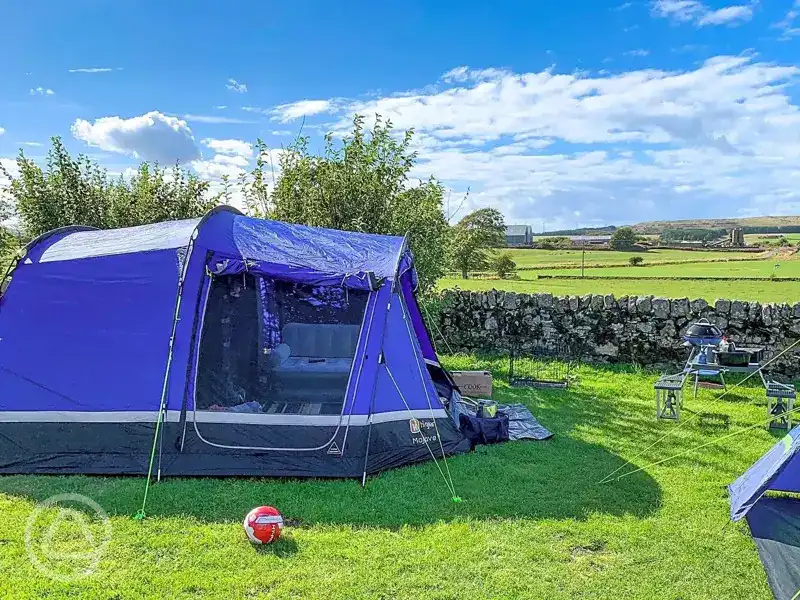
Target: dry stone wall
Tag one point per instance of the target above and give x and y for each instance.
(645, 330)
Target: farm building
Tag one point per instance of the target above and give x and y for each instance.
(589, 240)
(519, 235)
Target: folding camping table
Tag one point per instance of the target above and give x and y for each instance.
(696, 369)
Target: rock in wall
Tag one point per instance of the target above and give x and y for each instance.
(645, 330)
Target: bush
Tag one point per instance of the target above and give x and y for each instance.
(636, 261)
(624, 238)
(554, 243)
(503, 264)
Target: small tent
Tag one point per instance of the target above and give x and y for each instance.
(263, 348)
(774, 521)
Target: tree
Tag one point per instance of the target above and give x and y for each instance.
(473, 236)
(635, 261)
(503, 264)
(623, 239)
(361, 184)
(255, 184)
(77, 191)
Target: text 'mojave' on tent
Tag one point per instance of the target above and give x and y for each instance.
(269, 349)
(774, 520)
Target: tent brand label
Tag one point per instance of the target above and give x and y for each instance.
(423, 439)
(416, 425)
(419, 428)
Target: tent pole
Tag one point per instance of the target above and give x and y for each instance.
(165, 387)
(381, 360)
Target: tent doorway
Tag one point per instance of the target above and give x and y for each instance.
(271, 347)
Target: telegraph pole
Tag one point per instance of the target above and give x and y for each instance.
(583, 256)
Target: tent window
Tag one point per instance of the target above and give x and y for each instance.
(276, 347)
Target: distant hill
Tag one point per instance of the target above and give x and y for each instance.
(607, 230)
(750, 225)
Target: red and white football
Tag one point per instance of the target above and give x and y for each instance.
(263, 525)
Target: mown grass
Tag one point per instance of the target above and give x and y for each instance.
(534, 521)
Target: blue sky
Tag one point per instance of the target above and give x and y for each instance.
(562, 113)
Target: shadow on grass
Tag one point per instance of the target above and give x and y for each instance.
(283, 548)
(555, 479)
(542, 480)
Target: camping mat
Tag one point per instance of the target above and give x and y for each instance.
(522, 425)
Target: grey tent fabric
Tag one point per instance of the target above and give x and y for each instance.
(775, 526)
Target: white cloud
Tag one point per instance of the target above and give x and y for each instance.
(294, 110)
(2, 131)
(694, 11)
(221, 107)
(32, 144)
(9, 165)
(462, 74)
(230, 147)
(638, 52)
(729, 14)
(213, 169)
(233, 164)
(152, 137)
(215, 119)
(614, 147)
(788, 25)
(232, 159)
(679, 10)
(40, 91)
(94, 70)
(236, 86)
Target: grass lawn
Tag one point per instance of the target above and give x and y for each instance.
(534, 521)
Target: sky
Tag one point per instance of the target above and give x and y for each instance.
(559, 114)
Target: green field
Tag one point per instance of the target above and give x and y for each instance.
(733, 269)
(756, 238)
(621, 280)
(762, 291)
(528, 258)
(534, 521)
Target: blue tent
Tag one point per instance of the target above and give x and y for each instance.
(264, 348)
(774, 521)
